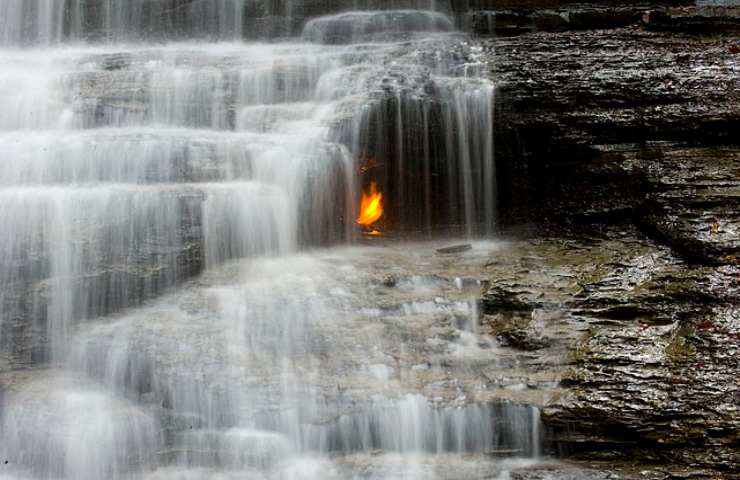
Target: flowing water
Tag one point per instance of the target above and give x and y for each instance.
(179, 297)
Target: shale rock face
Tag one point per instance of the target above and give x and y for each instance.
(645, 346)
(655, 372)
(625, 123)
(606, 124)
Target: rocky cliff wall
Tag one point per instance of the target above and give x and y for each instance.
(621, 125)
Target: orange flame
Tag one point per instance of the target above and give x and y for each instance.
(371, 206)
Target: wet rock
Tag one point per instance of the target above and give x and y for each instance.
(455, 249)
(548, 21)
(515, 331)
(648, 383)
(637, 127)
(499, 22)
(352, 27)
(568, 17)
(650, 386)
(523, 340)
(600, 18)
(561, 472)
(498, 299)
(693, 207)
(695, 20)
(704, 231)
(651, 343)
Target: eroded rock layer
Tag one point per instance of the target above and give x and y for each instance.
(626, 121)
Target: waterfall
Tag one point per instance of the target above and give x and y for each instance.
(48, 22)
(177, 294)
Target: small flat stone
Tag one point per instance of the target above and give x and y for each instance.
(455, 249)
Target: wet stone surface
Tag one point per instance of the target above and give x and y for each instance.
(631, 127)
(619, 342)
(330, 362)
(422, 338)
(628, 123)
(652, 343)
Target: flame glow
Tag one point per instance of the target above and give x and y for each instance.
(371, 206)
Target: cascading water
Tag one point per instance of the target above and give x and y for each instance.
(129, 165)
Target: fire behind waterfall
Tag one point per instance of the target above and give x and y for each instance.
(371, 209)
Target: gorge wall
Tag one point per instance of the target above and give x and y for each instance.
(617, 168)
(618, 122)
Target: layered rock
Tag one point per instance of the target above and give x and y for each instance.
(627, 126)
(639, 124)
(646, 347)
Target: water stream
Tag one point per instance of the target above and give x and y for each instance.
(184, 292)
